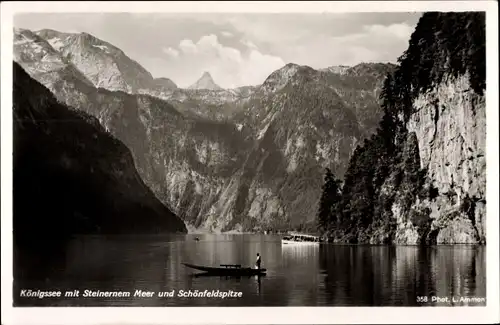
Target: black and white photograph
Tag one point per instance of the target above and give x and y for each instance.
(234, 158)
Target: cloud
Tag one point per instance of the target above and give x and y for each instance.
(321, 40)
(251, 44)
(371, 43)
(170, 52)
(401, 31)
(290, 26)
(227, 34)
(376, 43)
(228, 66)
(187, 46)
(248, 44)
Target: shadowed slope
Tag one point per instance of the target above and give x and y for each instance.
(72, 177)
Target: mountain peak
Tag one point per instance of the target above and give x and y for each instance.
(164, 83)
(279, 78)
(205, 82)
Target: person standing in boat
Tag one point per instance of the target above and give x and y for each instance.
(257, 262)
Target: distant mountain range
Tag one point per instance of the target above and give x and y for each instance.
(412, 164)
(222, 159)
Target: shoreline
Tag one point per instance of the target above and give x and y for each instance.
(234, 233)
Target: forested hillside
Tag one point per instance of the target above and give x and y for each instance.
(421, 178)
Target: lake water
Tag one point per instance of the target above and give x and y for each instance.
(324, 275)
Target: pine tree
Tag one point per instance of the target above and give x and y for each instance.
(330, 197)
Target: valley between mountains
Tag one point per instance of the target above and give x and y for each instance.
(253, 158)
(244, 159)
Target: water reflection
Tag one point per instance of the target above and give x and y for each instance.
(303, 276)
(387, 275)
(323, 275)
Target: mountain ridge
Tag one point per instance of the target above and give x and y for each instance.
(121, 72)
(236, 159)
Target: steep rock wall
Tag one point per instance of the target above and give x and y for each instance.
(450, 123)
(421, 179)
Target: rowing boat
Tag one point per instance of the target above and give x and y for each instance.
(227, 270)
(235, 276)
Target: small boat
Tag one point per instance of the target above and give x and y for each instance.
(227, 270)
(301, 239)
(207, 275)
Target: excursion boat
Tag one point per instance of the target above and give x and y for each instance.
(301, 239)
(227, 270)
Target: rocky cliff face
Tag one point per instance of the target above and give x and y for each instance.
(449, 123)
(422, 177)
(245, 158)
(72, 177)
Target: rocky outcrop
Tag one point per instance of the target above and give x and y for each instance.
(422, 178)
(450, 124)
(72, 177)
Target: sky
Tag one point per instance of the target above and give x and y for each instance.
(238, 49)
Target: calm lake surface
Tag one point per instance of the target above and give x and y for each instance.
(325, 275)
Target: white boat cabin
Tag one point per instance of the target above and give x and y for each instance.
(297, 238)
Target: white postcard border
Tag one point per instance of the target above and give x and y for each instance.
(251, 315)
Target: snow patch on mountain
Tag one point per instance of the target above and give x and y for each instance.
(102, 47)
(338, 69)
(56, 43)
